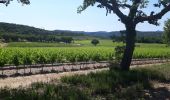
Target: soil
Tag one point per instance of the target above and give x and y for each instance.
(160, 91)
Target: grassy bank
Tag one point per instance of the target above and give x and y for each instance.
(106, 85)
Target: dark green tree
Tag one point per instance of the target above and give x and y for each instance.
(95, 42)
(166, 34)
(135, 16)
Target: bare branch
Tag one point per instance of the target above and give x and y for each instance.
(125, 5)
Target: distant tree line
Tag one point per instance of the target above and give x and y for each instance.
(139, 39)
(149, 40)
(14, 37)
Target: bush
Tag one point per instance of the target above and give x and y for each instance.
(95, 42)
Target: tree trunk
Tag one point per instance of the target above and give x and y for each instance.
(30, 69)
(24, 69)
(16, 69)
(52, 67)
(130, 46)
(42, 69)
(2, 71)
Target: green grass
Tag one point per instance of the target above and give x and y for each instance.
(39, 44)
(109, 43)
(82, 43)
(162, 72)
(109, 85)
(86, 43)
(151, 45)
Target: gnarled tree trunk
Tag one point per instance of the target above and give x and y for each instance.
(130, 46)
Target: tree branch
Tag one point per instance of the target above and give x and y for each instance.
(2, 1)
(115, 8)
(133, 9)
(125, 5)
(153, 17)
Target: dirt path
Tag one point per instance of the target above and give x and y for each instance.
(161, 91)
(27, 80)
(3, 44)
(14, 82)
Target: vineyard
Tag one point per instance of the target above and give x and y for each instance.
(33, 56)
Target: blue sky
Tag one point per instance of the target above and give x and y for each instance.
(62, 14)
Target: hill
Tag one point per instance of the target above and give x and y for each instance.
(24, 29)
(15, 32)
(10, 32)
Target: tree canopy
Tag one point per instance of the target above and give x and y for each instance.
(6, 2)
(135, 7)
(167, 32)
(135, 15)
